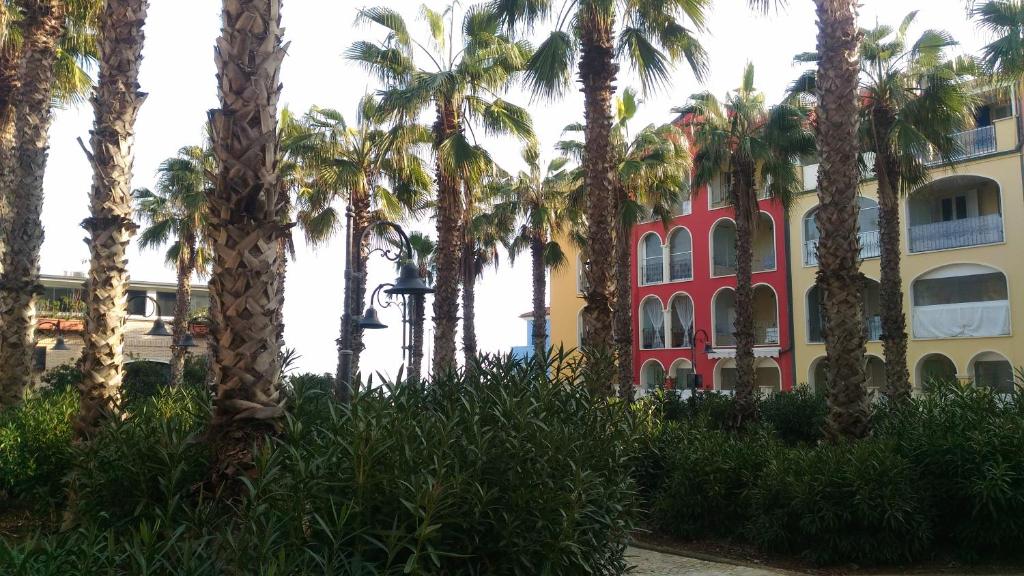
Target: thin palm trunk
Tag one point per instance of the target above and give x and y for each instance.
(469, 349)
(182, 307)
(360, 222)
(245, 225)
(540, 288)
(43, 23)
(449, 246)
(597, 71)
(743, 330)
(8, 87)
(839, 247)
(418, 313)
(116, 104)
(894, 322)
(623, 315)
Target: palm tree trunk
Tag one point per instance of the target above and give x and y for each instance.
(182, 308)
(116, 104)
(8, 87)
(623, 329)
(597, 72)
(469, 348)
(449, 246)
(42, 23)
(540, 289)
(839, 248)
(245, 225)
(360, 222)
(894, 322)
(745, 202)
(418, 312)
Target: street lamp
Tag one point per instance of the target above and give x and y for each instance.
(188, 341)
(408, 284)
(693, 337)
(159, 328)
(59, 345)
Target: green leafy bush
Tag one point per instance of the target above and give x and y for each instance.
(61, 378)
(144, 379)
(35, 448)
(795, 416)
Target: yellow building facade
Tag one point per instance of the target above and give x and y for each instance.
(567, 299)
(963, 271)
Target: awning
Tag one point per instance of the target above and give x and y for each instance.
(759, 352)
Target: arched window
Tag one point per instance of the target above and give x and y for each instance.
(724, 308)
(867, 221)
(764, 244)
(723, 248)
(680, 259)
(872, 312)
(876, 374)
(961, 301)
(680, 314)
(992, 370)
(767, 375)
(955, 212)
(679, 373)
(653, 258)
(652, 376)
(935, 368)
(766, 316)
(652, 322)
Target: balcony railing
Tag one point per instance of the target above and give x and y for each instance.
(652, 339)
(973, 231)
(872, 330)
(762, 263)
(680, 339)
(764, 335)
(725, 265)
(870, 247)
(654, 272)
(976, 142)
(681, 268)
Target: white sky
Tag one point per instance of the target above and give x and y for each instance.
(178, 74)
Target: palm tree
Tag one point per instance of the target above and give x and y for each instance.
(423, 249)
(116, 103)
(50, 44)
(456, 73)
(177, 212)
(245, 208)
(371, 165)
(755, 148)
(539, 197)
(654, 35)
(1004, 19)
(652, 174)
(912, 102)
(839, 274)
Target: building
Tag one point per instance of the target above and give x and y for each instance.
(526, 352)
(963, 281)
(63, 303)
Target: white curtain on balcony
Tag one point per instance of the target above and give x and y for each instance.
(654, 319)
(962, 320)
(682, 310)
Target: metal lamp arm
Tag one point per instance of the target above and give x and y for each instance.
(159, 311)
(386, 252)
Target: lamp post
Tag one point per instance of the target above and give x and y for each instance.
(408, 283)
(59, 345)
(159, 328)
(693, 337)
(188, 342)
(370, 320)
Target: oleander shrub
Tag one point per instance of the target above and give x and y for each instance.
(143, 380)
(796, 416)
(35, 448)
(503, 472)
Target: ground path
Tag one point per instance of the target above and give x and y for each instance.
(651, 563)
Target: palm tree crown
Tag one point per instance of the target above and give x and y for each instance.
(1004, 19)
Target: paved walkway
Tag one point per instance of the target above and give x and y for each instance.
(650, 563)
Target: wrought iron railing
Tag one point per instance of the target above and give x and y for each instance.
(654, 272)
(976, 142)
(681, 339)
(681, 268)
(973, 231)
(872, 330)
(652, 339)
(870, 247)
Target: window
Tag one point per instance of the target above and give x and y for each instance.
(766, 316)
(680, 259)
(652, 322)
(137, 302)
(56, 300)
(681, 320)
(723, 248)
(200, 304)
(168, 301)
(725, 317)
(872, 312)
(652, 376)
(680, 374)
(581, 275)
(867, 222)
(935, 368)
(764, 244)
(767, 376)
(718, 192)
(955, 212)
(991, 370)
(653, 271)
(961, 300)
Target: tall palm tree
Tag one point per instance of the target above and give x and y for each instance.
(456, 73)
(539, 197)
(51, 42)
(1004, 55)
(245, 209)
(371, 165)
(839, 274)
(653, 36)
(176, 212)
(116, 104)
(912, 102)
(423, 249)
(755, 148)
(652, 174)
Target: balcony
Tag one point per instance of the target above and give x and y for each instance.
(652, 339)
(973, 143)
(680, 339)
(870, 247)
(764, 335)
(872, 313)
(970, 231)
(654, 272)
(681, 270)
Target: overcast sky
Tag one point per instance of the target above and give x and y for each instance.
(178, 74)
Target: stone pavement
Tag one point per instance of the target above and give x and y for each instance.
(650, 563)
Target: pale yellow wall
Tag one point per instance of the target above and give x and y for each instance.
(138, 346)
(1006, 134)
(1006, 257)
(566, 301)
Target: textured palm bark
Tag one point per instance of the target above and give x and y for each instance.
(418, 314)
(449, 246)
(540, 290)
(469, 348)
(360, 222)
(746, 216)
(246, 291)
(597, 71)
(182, 308)
(116, 103)
(839, 247)
(894, 321)
(42, 25)
(8, 86)
(623, 308)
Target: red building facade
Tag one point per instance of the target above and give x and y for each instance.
(684, 281)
